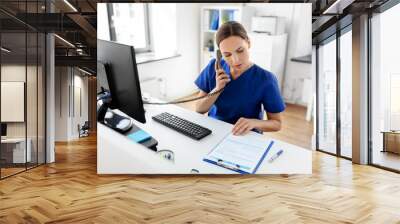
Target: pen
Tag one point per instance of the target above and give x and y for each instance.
(276, 156)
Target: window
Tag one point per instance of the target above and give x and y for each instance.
(149, 27)
(394, 101)
(385, 89)
(327, 97)
(129, 24)
(335, 94)
(346, 94)
(103, 27)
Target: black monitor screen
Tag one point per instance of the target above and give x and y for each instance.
(122, 76)
(3, 129)
(102, 78)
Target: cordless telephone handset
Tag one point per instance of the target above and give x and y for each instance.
(217, 67)
(218, 60)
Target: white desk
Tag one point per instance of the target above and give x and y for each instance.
(116, 154)
(19, 149)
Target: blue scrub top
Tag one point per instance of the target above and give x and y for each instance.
(243, 96)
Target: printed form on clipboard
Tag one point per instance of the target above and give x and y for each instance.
(242, 154)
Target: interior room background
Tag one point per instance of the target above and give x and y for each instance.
(174, 42)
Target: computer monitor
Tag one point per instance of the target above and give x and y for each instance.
(102, 82)
(3, 129)
(122, 76)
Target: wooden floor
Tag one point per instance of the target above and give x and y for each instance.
(10, 171)
(386, 159)
(70, 191)
(295, 129)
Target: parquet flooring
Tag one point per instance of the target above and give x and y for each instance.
(295, 129)
(10, 171)
(70, 191)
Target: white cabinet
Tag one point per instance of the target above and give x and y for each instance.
(269, 52)
(271, 25)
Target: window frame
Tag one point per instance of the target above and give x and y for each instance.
(333, 37)
(371, 14)
(149, 46)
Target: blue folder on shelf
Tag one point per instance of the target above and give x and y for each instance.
(243, 154)
(214, 20)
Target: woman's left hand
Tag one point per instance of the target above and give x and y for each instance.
(244, 126)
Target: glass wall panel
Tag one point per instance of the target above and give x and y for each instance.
(327, 97)
(13, 95)
(41, 98)
(22, 90)
(31, 99)
(346, 94)
(385, 84)
(32, 87)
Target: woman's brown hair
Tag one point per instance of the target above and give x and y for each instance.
(228, 29)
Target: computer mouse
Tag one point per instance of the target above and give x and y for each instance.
(117, 122)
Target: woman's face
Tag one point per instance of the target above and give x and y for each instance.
(236, 52)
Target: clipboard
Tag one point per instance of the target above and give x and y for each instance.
(243, 168)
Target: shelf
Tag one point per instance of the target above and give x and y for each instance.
(211, 19)
(143, 58)
(303, 59)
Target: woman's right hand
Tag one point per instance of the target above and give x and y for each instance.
(221, 79)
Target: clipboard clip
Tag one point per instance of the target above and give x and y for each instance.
(220, 162)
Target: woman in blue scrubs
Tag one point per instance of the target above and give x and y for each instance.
(245, 86)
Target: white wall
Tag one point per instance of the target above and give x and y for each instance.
(9, 75)
(50, 96)
(390, 66)
(163, 21)
(80, 118)
(61, 103)
(178, 74)
(297, 19)
(15, 72)
(66, 121)
(33, 125)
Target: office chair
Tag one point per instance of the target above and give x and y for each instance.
(84, 130)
